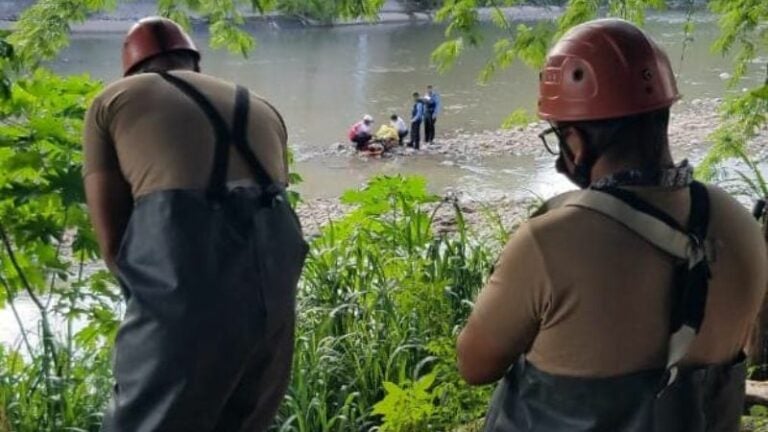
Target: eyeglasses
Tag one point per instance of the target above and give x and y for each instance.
(551, 137)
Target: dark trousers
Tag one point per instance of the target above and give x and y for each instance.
(361, 141)
(415, 134)
(401, 136)
(429, 129)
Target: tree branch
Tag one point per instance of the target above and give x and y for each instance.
(16, 316)
(47, 333)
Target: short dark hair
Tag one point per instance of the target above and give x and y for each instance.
(641, 137)
(393, 117)
(415, 94)
(429, 86)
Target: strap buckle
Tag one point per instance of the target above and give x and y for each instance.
(697, 250)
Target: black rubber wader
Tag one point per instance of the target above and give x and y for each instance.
(704, 399)
(210, 278)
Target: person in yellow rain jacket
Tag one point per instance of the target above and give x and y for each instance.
(387, 136)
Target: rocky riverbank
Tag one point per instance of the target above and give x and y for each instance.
(691, 124)
(486, 217)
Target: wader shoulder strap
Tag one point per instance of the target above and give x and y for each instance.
(240, 136)
(654, 230)
(217, 182)
(662, 231)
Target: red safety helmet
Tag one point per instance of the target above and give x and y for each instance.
(152, 36)
(604, 69)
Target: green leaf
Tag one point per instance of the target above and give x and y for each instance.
(445, 56)
(425, 382)
(518, 117)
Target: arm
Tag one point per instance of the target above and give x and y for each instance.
(110, 205)
(107, 193)
(419, 112)
(507, 313)
(284, 144)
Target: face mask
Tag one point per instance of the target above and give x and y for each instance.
(581, 172)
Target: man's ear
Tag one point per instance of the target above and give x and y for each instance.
(577, 143)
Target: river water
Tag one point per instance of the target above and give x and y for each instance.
(323, 79)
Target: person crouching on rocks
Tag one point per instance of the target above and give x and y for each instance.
(398, 123)
(361, 132)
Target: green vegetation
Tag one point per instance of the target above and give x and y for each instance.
(742, 29)
(381, 299)
(382, 296)
(327, 11)
(380, 302)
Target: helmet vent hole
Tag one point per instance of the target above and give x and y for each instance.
(647, 74)
(541, 76)
(578, 75)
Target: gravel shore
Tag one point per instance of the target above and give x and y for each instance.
(484, 217)
(691, 124)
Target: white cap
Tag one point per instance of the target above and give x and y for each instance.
(367, 118)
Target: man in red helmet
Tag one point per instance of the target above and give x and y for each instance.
(185, 178)
(624, 306)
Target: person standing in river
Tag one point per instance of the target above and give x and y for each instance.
(417, 117)
(185, 178)
(625, 306)
(432, 105)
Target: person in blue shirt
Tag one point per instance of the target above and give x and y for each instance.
(432, 105)
(417, 116)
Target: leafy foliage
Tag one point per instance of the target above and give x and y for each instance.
(757, 420)
(46, 242)
(740, 25)
(382, 295)
(743, 116)
(379, 289)
(527, 43)
(741, 28)
(407, 408)
(518, 117)
(43, 29)
(327, 11)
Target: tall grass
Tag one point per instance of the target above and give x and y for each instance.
(381, 299)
